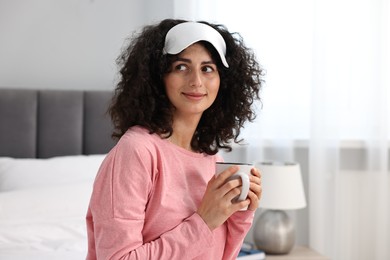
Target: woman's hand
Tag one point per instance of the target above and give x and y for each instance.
(217, 206)
(255, 190)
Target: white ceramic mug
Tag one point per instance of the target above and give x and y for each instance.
(244, 172)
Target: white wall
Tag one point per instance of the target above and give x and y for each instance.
(68, 44)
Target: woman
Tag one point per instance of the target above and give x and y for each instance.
(186, 90)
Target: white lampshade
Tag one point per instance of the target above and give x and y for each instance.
(282, 186)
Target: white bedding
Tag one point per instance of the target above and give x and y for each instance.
(43, 217)
(40, 255)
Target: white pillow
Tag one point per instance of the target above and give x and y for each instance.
(48, 219)
(29, 173)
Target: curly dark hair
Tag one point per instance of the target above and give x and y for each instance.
(140, 97)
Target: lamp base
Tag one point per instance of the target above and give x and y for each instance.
(274, 232)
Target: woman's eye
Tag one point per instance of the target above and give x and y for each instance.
(208, 69)
(181, 67)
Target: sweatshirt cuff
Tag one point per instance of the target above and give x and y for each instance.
(246, 216)
(203, 229)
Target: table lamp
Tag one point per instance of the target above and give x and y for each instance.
(274, 231)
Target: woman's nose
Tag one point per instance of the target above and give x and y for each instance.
(195, 79)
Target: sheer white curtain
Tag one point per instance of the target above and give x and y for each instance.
(349, 199)
(328, 93)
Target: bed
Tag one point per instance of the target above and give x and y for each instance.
(52, 143)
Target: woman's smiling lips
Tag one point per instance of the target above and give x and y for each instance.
(194, 96)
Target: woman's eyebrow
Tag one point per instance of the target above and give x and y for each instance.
(183, 60)
(189, 61)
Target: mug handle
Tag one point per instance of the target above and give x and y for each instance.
(245, 185)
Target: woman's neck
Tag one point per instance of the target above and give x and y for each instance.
(183, 132)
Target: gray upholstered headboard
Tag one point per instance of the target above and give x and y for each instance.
(47, 123)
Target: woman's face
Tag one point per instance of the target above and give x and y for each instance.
(193, 81)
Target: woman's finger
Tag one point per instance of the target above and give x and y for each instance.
(256, 188)
(254, 200)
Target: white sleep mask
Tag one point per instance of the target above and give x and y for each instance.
(184, 34)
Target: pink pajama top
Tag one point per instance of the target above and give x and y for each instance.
(144, 202)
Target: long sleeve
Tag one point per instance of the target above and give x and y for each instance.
(238, 226)
(117, 239)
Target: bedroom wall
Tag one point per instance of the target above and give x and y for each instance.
(68, 44)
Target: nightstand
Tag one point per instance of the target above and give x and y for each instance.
(299, 253)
